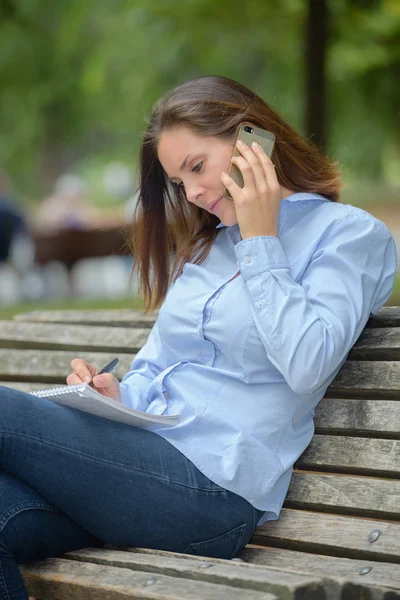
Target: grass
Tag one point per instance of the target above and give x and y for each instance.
(7, 312)
(394, 299)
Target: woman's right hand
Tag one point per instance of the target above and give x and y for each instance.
(84, 372)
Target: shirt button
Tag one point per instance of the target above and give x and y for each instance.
(260, 304)
(246, 259)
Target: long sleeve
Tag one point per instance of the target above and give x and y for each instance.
(308, 327)
(146, 365)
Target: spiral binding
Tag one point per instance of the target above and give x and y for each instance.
(59, 391)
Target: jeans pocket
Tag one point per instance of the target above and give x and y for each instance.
(226, 545)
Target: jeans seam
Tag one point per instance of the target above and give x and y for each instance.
(21, 508)
(3, 584)
(117, 464)
(239, 542)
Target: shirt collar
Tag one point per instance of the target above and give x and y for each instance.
(294, 198)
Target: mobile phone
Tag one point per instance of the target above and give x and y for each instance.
(249, 133)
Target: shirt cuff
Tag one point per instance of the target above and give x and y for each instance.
(259, 254)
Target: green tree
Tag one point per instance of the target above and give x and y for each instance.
(78, 78)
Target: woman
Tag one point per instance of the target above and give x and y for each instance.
(266, 296)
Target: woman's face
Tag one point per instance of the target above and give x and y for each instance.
(195, 163)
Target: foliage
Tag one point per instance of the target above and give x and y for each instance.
(79, 78)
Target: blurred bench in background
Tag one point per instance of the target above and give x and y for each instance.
(69, 246)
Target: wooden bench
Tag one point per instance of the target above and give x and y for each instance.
(338, 535)
(71, 245)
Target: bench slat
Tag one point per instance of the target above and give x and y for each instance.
(54, 366)
(346, 494)
(331, 534)
(213, 570)
(381, 573)
(377, 344)
(28, 386)
(65, 579)
(379, 457)
(363, 379)
(115, 317)
(82, 338)
(375, 418)
(387, 316)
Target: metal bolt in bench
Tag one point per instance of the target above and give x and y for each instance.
(338, 535)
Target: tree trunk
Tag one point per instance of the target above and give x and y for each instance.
(315, 58)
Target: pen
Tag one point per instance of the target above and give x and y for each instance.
(109, 366)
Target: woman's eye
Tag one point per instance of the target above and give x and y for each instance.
(198, 167)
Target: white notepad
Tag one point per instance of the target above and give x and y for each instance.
(85, 398)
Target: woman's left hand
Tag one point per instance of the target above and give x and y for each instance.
(257, 204)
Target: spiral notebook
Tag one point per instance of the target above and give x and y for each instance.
(85, 398)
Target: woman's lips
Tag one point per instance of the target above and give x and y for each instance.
(215, 205)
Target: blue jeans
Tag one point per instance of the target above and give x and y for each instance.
(71, 480)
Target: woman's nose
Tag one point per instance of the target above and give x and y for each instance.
(194, 192)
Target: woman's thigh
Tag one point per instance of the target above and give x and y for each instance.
(125, 485)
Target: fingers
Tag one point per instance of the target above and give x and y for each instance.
(230, 185)
(73, 379)
(254, 176)
(106, 380)
(83, 370)
(108, 385)
(267, 166)
(263, 169)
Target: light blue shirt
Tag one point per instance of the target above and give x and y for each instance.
(246, 360)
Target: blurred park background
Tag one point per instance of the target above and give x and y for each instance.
(78, 81)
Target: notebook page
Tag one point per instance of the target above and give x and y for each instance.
(86, 399)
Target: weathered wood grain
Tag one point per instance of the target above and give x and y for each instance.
(337, 587)
(114, 317)
(49, 336)
(29, 386)
(332, 535)
(68, 579)
(51, 366)
(366, 379)
(380, 458)
(361, 496)
(387, 316)
(373, 418)
(290, 586)
(381, 573)
(381, 343)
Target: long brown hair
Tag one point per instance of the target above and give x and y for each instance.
(164, 221)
